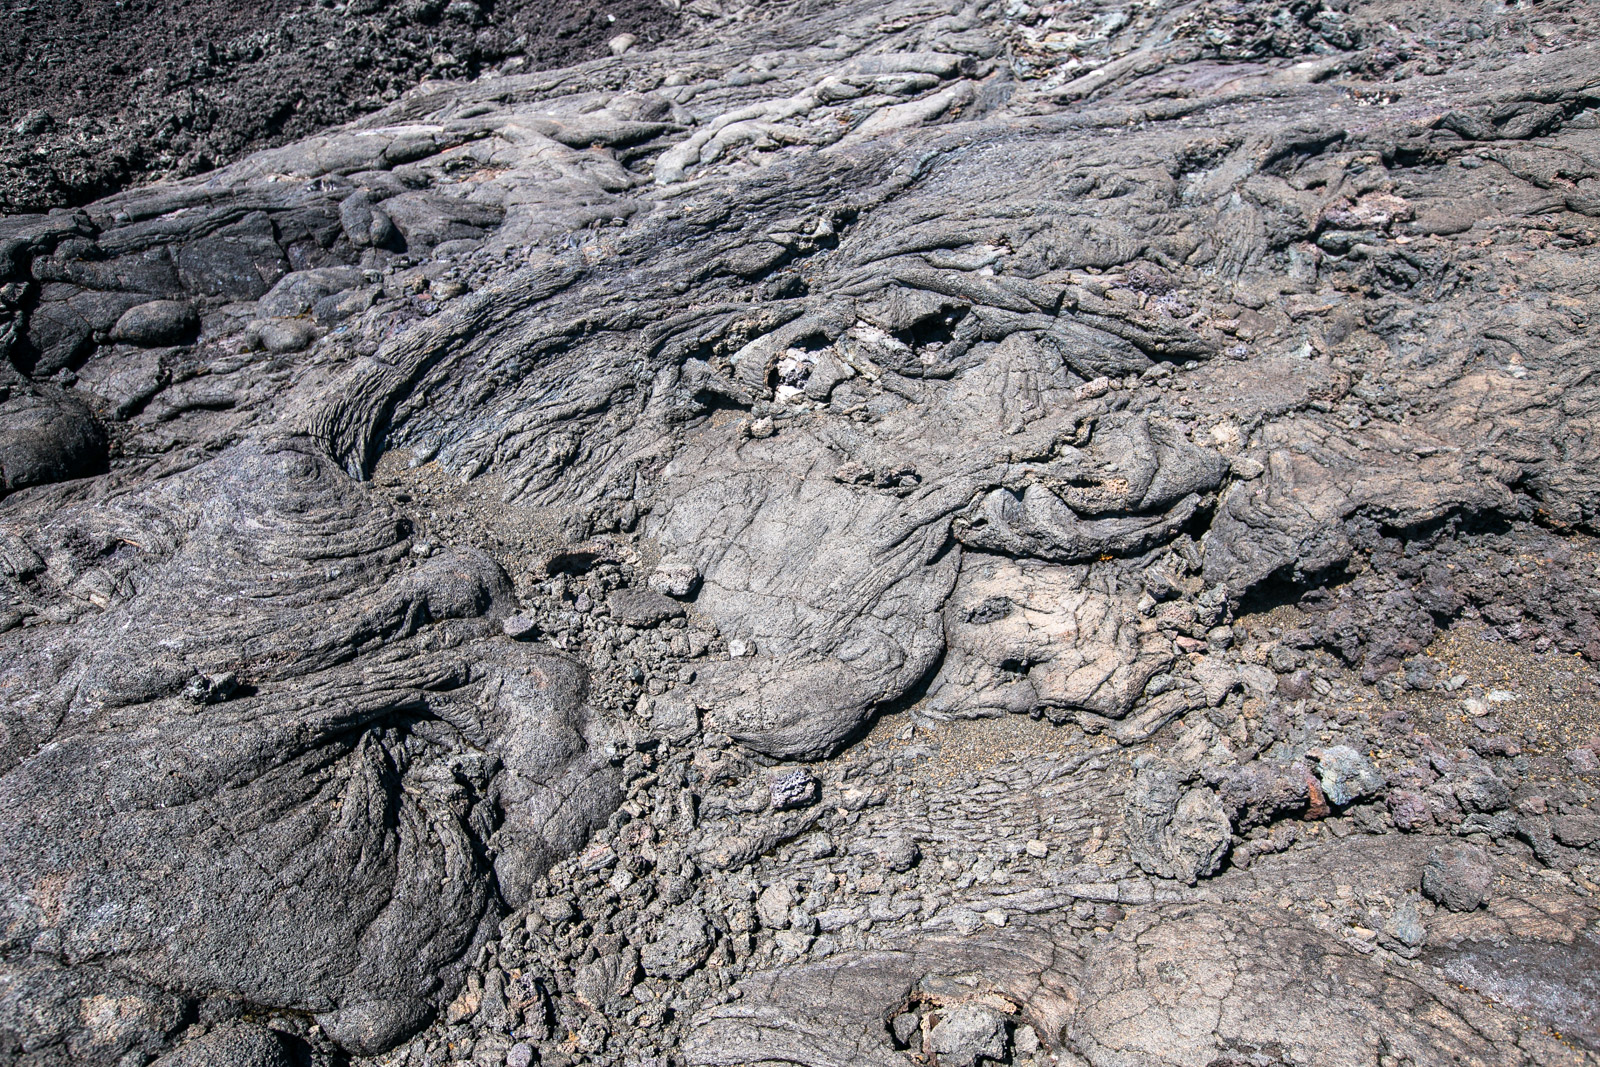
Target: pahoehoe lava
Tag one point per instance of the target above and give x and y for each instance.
(824, 533)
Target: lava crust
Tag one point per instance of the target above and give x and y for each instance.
(915, 533)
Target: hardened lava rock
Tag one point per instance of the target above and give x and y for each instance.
(1139, 459)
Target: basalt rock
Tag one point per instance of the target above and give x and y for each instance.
(330, 832)
(427, 546)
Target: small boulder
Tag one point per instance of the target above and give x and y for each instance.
(210, 688)
(557, 911)
(675, 578)
(1093, 389)
(640, 608)
(793, 789)
(606, 979)
(1458, 876)
(1260, 791)
(1296, 685)
(1410, 810)
(375, 1026)
(299, 291)
(365, 224)
(1576, 831)
(232, 1045)
(1216, 678)
(1258, 680)
(1483, 792)
(1405, 926)
(682, 944)
(772, 907)
(47, 438)
(281, 336)
(899, 853)
(519, 627)
(597, 857)
(157, 323)
(966, 1033)
(1175, 831)
(1347, 776)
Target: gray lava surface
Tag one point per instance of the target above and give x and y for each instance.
(921, 534)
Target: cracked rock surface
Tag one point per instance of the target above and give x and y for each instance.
(920, 533)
